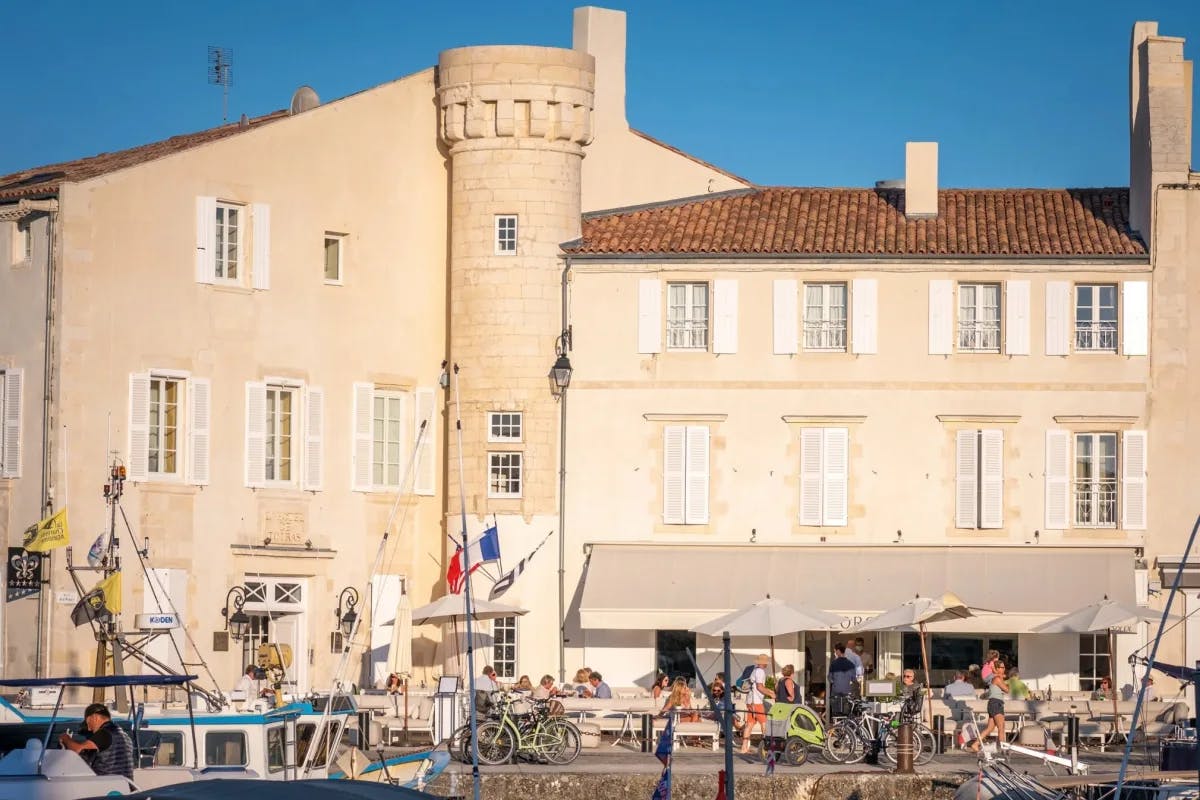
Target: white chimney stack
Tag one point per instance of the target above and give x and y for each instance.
(920, 179)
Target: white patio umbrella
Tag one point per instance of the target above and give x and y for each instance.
(1107, 616)
(450, 609)
(770, 617)
(917, 613)
(400, 650)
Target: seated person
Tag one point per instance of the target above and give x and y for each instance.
(107, 749)
(680, 697)
(661, 688)
(597, 688)
(1104, 691)
(955, 695)
(545, 689)
(523, 684)
(394, 685)
(1017, 688)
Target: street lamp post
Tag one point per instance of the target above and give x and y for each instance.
(560, 379)
(236, 621)
(346, 617)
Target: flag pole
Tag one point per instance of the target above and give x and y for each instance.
(466, 557)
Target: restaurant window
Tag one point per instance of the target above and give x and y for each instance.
(1093, 660)
(504, 647)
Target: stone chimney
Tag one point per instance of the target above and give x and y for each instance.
(920, 179)
(1160, 120)
(600, 32)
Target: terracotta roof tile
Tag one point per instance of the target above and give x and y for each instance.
(869, 222)
(45, 180)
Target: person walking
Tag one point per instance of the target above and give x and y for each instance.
(756, 712)
(996, 692)
(841, 682)
(786, 690)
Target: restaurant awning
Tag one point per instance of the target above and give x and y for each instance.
(676, 587)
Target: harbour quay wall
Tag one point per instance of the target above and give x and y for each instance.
(691, 786)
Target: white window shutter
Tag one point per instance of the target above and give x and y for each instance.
(725, 316)
(941, 317)
(787, 317)
(425, 482)
(650, 315)
(864, 305)
(260, 262)
(812, 443)
(1058, 318)
(206, 239)
(1135, 316)
(256, 434)
(966, 479)
(199, 420)
(1016, 320)
(1133, 481)
(364, 396)
(1058, 487)
(836, 467)
(10, 440)
(991, 470)
(674, 452)
(314, 438)
(139, 426)
(695, 510)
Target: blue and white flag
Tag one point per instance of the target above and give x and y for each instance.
(95, 554)
(666, 743)
(505, 581)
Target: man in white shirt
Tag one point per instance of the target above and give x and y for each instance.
(855, 659)
(486, 682)
(248, 688)
(756, 712)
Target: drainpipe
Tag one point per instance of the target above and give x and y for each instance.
(49, 207)
(562, 493)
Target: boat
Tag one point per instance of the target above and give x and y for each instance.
(239, 789)
(184, 745)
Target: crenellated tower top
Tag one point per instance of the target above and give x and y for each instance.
(538, 96)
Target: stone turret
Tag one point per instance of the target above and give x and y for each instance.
(516, 120)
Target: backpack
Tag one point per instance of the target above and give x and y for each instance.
(743, 684)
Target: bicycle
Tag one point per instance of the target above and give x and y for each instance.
(852, 738)
(507, 733)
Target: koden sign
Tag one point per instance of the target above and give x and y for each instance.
(156, 622)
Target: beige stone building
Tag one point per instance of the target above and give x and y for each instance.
(842, 397)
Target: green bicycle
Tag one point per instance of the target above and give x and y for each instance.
(508, 731)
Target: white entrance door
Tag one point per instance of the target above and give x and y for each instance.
(288, 629)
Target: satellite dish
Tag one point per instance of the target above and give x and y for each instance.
(304, 99)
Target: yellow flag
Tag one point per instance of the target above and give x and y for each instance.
(111, 586)
(48, 534)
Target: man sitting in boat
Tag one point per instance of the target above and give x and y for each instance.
(106, 748)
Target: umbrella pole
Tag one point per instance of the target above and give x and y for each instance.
(828, 659)
(774, 668)
(1112, 681)
(404, 683)
(925, 664)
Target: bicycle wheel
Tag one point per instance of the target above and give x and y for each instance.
(459, 744)
(495, 742)
(562, 741)
(928, 745)
(891, 738)
(842, 744)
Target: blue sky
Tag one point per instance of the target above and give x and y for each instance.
(799, 93)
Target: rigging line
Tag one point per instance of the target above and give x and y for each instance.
(154, 580)
(1170, 628)
(343, 664)
(1162, 623)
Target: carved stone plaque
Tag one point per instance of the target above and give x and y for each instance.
(285, 527)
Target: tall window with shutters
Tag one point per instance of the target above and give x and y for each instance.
(1096, 479)
(825, 317)
(979, 317)
(223, 230)
(979, 479)
(685, 474)
(687, 316)
(1096, 317)
(284, 434)
(169, 424)
(824, 476)
(381, 441)
(10, 422)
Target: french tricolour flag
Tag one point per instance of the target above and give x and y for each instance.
(485, 548)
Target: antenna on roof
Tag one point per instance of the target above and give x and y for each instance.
(220, 73)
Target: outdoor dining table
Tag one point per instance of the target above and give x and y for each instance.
(627, 725)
